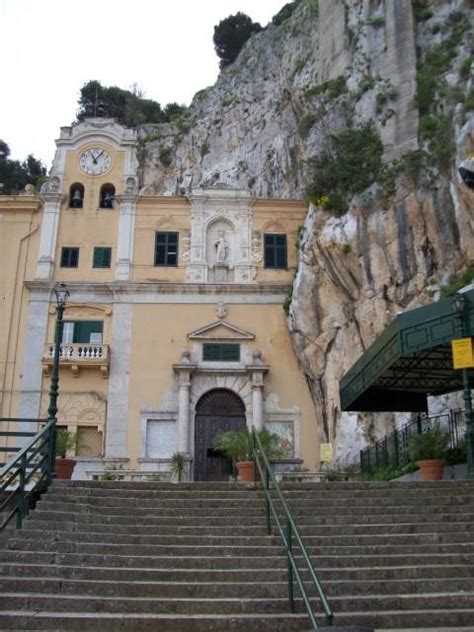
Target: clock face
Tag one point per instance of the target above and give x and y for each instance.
(95, 161)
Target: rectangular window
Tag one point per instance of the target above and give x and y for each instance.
(69, 257)
(221, 352)
(166, 249)
(102, 257)
(83, 331)
(275, 251)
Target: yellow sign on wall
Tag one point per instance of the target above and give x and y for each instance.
(463, 356)
(325, 452)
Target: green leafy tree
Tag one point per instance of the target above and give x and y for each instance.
(231, 34)
(15, 175)
(129, 107)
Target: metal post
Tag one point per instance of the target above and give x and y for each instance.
(291, 596)
(267, 486)
(459, 306)
(21, 505)
(469, 424)
(61, 293)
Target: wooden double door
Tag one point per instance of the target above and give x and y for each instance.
(217, 411)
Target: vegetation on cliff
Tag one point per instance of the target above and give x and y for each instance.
(15, 175)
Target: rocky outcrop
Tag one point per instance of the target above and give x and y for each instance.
(399, 65)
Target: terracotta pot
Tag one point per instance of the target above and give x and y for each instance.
(245, 470)
(64, 468)
(431, 469)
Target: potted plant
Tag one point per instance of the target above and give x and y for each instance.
(65, 440)
(238, 446)
(178, 465)
(428, 449)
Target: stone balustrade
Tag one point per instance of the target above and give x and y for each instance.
(77, 355)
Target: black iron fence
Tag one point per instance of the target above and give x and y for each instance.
(393, 451)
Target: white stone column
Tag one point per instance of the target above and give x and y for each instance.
(49, 234)
(126, 234)
(183, 413)
(257, 371)
(116, 445)
(183, 370)
(257, 405)
(31, 381)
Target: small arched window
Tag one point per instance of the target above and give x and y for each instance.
(76, 195)
(107, 196)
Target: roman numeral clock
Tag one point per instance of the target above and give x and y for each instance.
(95, 161)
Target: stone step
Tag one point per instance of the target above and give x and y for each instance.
(32, 528)
(251, 500)
(127, 520)
(368, 550)
(198, 587)
(81, 565)
(138, 496)
(333, 486)
(66, 521)
(105, 622)
(237, 605)
(249, 509)
(252, 537)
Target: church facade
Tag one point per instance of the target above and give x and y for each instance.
(175, 326)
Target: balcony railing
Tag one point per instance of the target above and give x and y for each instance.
(77, 355)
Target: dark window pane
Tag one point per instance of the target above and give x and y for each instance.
(275, 251)
(221, 352)
(102, 257)
(166, 249)
(84, 328)
(69, 257)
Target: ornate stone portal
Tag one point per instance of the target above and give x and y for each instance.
(221, 248)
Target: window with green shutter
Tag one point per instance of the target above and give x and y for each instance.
(102, 257)
(82, 331)
(221, 352)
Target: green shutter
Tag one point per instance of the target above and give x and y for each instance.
(84, 328)
(221, 352)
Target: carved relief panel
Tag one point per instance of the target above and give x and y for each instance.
(221, 237)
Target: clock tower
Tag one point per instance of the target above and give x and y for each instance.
(94, 170)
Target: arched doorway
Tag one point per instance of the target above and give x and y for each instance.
(218, 410)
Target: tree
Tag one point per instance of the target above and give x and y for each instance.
(231, 34)
(129, 107)
(15, 175)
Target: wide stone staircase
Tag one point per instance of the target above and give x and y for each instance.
(111, 556)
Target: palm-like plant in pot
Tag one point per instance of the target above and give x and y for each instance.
(428, 449)
(238, 446)
(65, 440)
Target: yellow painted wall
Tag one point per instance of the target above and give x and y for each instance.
(159, 334)
(20, 218)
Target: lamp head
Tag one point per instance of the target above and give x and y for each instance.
(62, 293)
(458, 302)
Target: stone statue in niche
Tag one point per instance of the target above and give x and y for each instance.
(221, 247)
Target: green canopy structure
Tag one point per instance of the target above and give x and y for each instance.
(410, 360)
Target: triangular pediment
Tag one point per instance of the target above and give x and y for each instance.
(220, 330)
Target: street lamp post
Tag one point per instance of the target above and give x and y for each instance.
(61, 293)
(458, 303)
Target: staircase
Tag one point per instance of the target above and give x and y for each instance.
(111, 556)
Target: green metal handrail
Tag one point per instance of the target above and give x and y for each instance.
(266, 474)
(33, 463)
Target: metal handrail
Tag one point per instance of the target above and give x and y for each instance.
(35, 458)
(266, 474)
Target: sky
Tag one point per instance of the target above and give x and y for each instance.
(50, 48)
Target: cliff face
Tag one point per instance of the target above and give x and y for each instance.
(404, 71)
